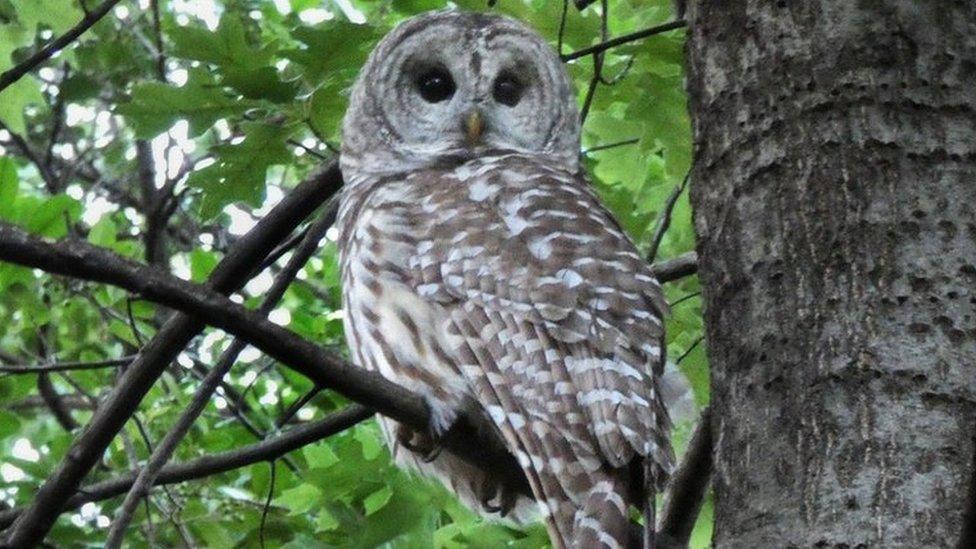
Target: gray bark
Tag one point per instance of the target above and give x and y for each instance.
(834, 190)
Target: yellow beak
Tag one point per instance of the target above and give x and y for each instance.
(474, 126)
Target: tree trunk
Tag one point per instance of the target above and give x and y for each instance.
(834, 190)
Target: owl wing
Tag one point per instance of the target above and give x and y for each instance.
(557, 322)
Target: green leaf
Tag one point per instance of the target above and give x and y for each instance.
(326, 521)
(58, 15)
(227, 46)
(155, 107)
(377, 500)
(9, 424)
(333, 50)
(320, 456)
(15, 99)
(369, 439)
(326, 108)
(201, 264)
(300, 499)
(103, 233)
(240, 170)
(8, 186)
(51, 218)
(262, 83)
(79, 87)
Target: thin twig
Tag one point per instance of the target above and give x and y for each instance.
(136, 334)
(57, 113)
(683, 299)
(307, 149)
(56, 45)
(280, 250)
(627, 38)
(664, 219)
(73, 401)
(562, 27)
(597, 64)
(158, 37)
(311, 127)
(50, 181)
(685, 354)
(67, 366)
(632, 141)
(617, 78)
(296, 406)
(53, 400)
(267, 501)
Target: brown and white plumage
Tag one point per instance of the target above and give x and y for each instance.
(486, 273)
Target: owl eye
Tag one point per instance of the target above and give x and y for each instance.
(435, 85)
(507, 90)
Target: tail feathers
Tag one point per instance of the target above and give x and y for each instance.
(596, 519)
(602, 519)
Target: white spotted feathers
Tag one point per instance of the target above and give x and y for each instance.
(504, 281)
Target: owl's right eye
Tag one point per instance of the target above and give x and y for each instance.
(435, 85)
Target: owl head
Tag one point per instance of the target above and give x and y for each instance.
(449, 86)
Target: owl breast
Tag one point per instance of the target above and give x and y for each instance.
(389, 328)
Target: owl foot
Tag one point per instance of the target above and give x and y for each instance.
(426, 445)
(488, 490)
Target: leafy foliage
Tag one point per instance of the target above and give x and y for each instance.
(245, 98)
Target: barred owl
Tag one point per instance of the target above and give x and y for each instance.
(481, 271)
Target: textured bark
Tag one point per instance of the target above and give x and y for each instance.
(834, 190)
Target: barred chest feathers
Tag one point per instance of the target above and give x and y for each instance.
(388, 326)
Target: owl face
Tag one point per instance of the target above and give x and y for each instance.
(451, 85)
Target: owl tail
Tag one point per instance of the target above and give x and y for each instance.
(595, 516)
(602, 520)
(583, 500)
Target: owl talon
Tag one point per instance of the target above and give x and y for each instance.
(426, 445)
(489, 490)
(486, 491)
(433, 452)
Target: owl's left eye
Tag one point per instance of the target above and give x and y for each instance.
(435, 85)
(507, 89)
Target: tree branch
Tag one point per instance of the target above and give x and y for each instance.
(621, 40)
(53, 401)
(45, 53)
(79, 259)
(230, 274)
(689, 483)
(664, 219)
(684, 265)
(213, 464)
(66, 366)
(50, 181)
(158, 39)
(72, 401)
(164, 450)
